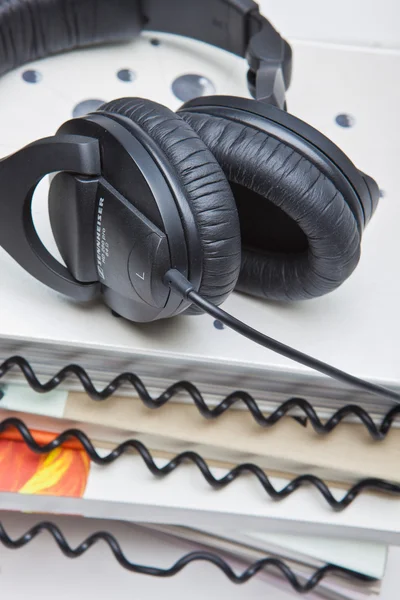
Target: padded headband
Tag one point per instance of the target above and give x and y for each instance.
(33, 29)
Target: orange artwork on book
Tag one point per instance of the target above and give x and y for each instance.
(61, 472)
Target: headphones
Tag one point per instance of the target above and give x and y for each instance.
(233, 193)
(164, 213)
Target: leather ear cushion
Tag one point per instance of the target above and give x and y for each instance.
(278, 174)
(205, 187)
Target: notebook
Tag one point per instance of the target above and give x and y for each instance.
(344, 456)
(144, 546)
(356, 328)
(66, 482)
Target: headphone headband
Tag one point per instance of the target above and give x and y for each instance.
(33, 29)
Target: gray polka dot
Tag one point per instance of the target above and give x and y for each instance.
(187, 87)
(31, 76)
(155, 42)
(126, 75)
(86, 106)
(382, 193)
(344, 120)
(218, 324)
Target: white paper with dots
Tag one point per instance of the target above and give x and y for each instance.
(348, 93)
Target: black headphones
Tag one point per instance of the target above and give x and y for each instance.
(232, 193)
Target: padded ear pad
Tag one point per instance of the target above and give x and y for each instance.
(299, 237)
(205, 187)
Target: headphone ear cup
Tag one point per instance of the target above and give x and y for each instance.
(204, 185)
(300, 239)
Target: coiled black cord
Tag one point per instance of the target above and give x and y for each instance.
(378, 432)
(370, 483)
(210, 557)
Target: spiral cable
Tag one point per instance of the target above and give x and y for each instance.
(377, 432)
(372, 484)
(179, 565)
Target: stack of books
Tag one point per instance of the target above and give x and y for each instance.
(356, 329)
(240, 522)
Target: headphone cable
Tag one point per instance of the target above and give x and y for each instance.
(175, 280)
